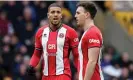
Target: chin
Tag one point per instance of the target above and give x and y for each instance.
(55, 24)
(78, 25)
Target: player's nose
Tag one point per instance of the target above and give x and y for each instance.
(55, 14)
(75, 16)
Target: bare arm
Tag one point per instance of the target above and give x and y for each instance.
(93, 54)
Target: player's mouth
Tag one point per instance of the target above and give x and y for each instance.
(76, 20)
(55, 19)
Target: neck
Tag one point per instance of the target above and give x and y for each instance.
(54, 27)
(88, 24)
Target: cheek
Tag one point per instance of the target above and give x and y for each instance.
(81, 17)
(50, 16)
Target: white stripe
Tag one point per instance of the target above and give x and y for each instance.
(59, 56)
(99, 65)
(81, 58)
(81, 61)
(45, 37)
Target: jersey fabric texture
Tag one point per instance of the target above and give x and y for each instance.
(91, 38)
(56, 46)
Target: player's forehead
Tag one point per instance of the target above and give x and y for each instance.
(80, 9)
(54, 9)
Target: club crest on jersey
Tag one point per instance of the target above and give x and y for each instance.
(61, 35)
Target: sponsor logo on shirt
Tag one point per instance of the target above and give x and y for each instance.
(51, 46)
(51, 49)
(94, 41)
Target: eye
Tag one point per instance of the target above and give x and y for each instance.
(77, 12)
(58, 12)
(52, 12)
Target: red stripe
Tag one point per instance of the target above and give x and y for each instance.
(52, 59)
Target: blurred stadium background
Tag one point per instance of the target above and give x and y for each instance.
(19, 20)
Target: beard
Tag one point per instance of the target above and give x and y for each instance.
(55, 23)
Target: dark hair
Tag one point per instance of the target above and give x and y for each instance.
(54, 5)
(89, 7)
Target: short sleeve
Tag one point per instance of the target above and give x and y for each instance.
(73, 39)
(38, 43)
(94, 40)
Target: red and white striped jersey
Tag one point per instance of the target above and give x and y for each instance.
(91, 38)
(56, 47)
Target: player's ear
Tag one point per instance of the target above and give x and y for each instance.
(87, 15)
(61, 14)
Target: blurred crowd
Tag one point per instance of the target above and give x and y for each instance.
(19, 21)
(116, 66)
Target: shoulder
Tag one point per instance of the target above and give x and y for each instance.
(94, 31)
(40, 30)
(69, 29)
(94, 37)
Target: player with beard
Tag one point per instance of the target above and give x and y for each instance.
(53, 42)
